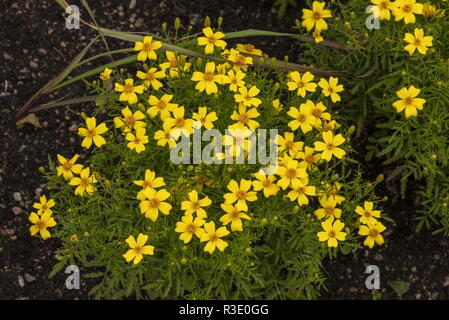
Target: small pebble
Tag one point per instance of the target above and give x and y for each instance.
(17, 196)
(21, 281)
(16, 210)
(29, 277)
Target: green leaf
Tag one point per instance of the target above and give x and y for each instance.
(400, 287)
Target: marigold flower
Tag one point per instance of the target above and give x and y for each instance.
(277, 105)
(303, 118)
(332, 232)
(233, 216)
(382, 9)
(240, 194)
(330, 191)
(175, 64)
(291, 172)
(206, 80)
(129, 91)
(130, 120)
(288, 143)
(189, 227)
(317, 36)
(248, 48)
(150, 182)
(309, 158)
(178, 124)
(248, 97)
(155, 203)
(236, 142)
(300, 191)
(84, 183)
(241, 61)
(236, 80)
(265, 183)
(92, 133)
(138, 248)
(68, 167)
(147, 48)
(164, 137)
(106, 74)
(417, 41)
(368, 215)
(194, 205)
(43, 205)
(138, 140)
(161, 106)
(331, 88)
(329, 146)
(373, 233)
(301, 83)
(211, 40)
(213, 236)
(409, 101)
(316, 16)
(328, 208)
(429, 10)
(151, 78)
(41, 224)
(406, 9)
(245, 118)
(204, 119)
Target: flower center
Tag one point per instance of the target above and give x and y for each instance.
(289, 145)
(208, 76)
(408, 100)
(129, 88)
(195, 205)
(154, 203)
(407, 8)
(330, 211)
(213, 238)
(417, 42)
(301, 118)
(266, 183)
(162, 104)
(249, 47)
(235, 215)
(373, 233)
(291, 173)
(146, 184)
(91, 133)
(151, 76)
(174, 62)
(138, 249)
(316, 15)
(67, 165)
(317, 112)
(244, 118)
(241, 194)
(330, 146)
(130, 119)
(180, 122)
(309, 158)
(300, 84)
(383, 5)
(331, 234)
(191, 228)
(367, 214)
(84, 182)
(147, 47)
(40, 224)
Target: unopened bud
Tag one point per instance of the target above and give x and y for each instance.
(207, 22)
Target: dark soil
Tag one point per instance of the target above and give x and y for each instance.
(36, 46)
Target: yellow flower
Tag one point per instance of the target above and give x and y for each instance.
(309, 159)
(328, 209)
(329, 146)
(317, 36)
(373, 233)
(175, 64)
(287, 143)
(240, 194)
(248, 97)
(290, 173)
(406, 9)
(330, 191)
(330, 125)
(211, 40)
(368, 215)
(241, 61)
(417, 41)
(84, 183)
(236, 80)
(129, 91)
(189, 227)
(204, 119)
(206, 80)
(429, 10)
(92, 133)
(317, 112)
(332, 232)
(43, 205)
(245, 118)
(155, 203)
(130, 120)
(213, 236)
(265, 183)
(106, 74)
(68, 167)
(248, 48)
(147, 48)
(150, 182)
(194, 205)
(41, 224)
(151, 78)
(233, 216)
(161, 106)
(236, 143)
(382, 9)
(409, 102)
(300, 191)
(138, 248)
(179, 124)
(303, 118)
(137, 141)
(277, 105)
(331, 88)
(301, 83)
(316, 16)
(163, 137)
